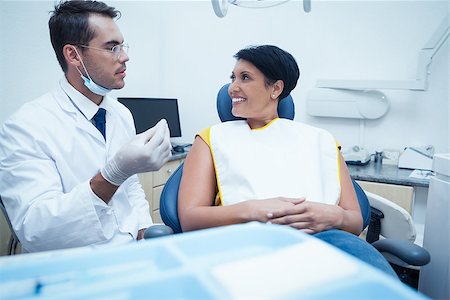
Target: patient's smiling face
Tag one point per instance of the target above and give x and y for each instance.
(251, 96)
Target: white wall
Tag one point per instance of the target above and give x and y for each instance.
(181, 49)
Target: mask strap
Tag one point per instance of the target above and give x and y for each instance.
(82, 63)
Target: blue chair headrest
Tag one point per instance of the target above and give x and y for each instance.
(286, 108)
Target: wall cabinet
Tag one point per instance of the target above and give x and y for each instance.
(153, 184)
(399, 194)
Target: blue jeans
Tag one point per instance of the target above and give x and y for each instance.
(356, 247)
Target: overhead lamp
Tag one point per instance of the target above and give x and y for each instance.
(221, 6)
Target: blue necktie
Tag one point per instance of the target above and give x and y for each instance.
(100, 121)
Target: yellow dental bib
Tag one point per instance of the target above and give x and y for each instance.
(283, 158)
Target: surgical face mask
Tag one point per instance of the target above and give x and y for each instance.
(93, 87)
(89, 83)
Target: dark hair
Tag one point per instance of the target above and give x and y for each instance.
(69, 24)
(274, 63)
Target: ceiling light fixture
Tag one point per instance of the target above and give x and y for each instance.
(220, 7)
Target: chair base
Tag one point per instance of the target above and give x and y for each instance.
(407, 275)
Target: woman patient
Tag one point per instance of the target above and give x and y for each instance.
(264, 168)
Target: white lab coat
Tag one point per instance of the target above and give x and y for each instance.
(49, 151)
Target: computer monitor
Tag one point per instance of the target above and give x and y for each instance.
(148, 111)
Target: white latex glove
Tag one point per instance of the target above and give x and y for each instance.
(146, 152)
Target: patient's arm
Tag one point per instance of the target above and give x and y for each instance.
(313, 217)
(352, 218)
(198, 190)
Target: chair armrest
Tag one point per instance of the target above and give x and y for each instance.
(405, 251)
(397, 222)
(157, 230)
(374, 229)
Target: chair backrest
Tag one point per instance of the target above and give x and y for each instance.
(14, 240)
(169, 196)
(363, 203)
(286, 107)
(168, 206)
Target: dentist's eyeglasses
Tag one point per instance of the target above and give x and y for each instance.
(116, 50)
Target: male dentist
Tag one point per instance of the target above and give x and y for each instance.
(69, 159)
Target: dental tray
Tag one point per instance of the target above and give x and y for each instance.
(254, 260)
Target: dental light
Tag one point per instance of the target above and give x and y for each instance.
(221, 6)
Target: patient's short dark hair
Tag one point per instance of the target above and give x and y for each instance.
(274, 63)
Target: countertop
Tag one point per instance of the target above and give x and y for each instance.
(385, 174)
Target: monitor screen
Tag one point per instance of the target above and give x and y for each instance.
(148, 111)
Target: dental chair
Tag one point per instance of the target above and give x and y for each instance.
(389, 227)
(393, 233)
(13, 241)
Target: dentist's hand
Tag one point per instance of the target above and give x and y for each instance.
(146, 152)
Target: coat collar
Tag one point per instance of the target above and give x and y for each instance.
(76, 100)
(82, 108)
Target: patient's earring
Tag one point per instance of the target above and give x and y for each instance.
(273, 96)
